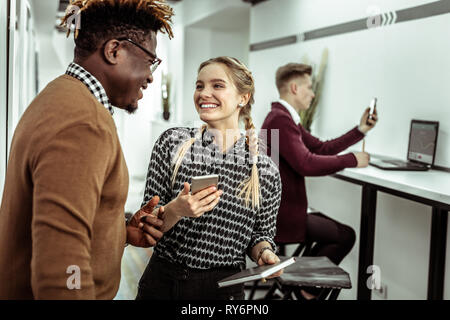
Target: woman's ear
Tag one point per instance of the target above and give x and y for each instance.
(245, 99)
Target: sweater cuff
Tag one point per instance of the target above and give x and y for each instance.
(257, 240)
(350, 160)
(359, 131)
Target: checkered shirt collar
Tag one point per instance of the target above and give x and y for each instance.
(94, 86)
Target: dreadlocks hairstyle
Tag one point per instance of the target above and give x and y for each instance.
(103, 20)
(243, 80)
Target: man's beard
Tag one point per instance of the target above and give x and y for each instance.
(131, 109)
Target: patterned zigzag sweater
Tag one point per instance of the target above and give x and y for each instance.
(221, 237)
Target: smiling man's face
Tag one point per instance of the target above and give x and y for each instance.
(132, 74)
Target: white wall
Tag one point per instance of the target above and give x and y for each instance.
(201, 31)
(203, 44)
(406, 65)
(21, 62)
(3, 92)
(401, 64)
(174, 64)
(55, 51)
(31, 27)
(196, 50)
(402, 236)
(207, 34)
(196, 10)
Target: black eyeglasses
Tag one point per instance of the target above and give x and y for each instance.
(156, 61)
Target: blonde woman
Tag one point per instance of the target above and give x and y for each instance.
(208, 234)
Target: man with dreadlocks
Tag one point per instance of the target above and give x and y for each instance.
(62, 229)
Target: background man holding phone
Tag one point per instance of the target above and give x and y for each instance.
(301, 154)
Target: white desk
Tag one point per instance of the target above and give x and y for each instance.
(428, 187)
(431, 184)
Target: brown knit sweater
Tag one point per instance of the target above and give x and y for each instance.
(63, 201)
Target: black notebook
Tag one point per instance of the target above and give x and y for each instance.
(255, 273)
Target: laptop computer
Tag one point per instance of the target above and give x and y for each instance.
(421, 149)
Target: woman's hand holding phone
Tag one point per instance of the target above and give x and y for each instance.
(190, 205)
(195, 205)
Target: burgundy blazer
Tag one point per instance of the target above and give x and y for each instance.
(302, 154)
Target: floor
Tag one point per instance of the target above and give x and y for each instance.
(134, 262)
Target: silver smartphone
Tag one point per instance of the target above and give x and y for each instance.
(201, 182)
(373, 104)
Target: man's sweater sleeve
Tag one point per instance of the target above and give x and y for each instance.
(300, 158)
(68, 176)
(333, 146)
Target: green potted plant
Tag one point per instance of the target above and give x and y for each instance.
(166, 84)
(317, 79)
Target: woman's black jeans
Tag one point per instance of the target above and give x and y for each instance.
(163, 280)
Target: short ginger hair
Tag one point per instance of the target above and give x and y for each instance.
(289, 71)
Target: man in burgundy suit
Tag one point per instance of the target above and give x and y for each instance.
(300, 155)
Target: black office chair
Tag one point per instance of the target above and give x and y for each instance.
(293, 289)
(302, 249)
(310, 272)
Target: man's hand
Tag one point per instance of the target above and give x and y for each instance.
(140, 235)
(362, 159)
(367, 124)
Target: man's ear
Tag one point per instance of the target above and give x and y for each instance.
(293, 87)
(111, 52)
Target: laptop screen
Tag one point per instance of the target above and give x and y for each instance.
(422, 141)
